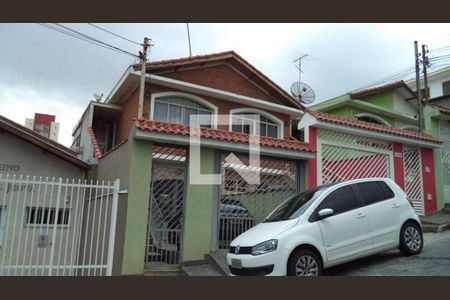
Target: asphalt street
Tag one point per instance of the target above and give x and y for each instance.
(434, 260)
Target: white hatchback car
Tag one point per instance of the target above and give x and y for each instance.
(326, 226)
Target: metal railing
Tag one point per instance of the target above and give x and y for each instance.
(56, 227)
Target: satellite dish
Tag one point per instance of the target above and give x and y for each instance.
(303, 92)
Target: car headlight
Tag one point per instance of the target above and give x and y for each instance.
(265, 247)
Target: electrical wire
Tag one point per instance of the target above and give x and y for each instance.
(112, 33)
(397, 75)
(91, 38)
(73, 33)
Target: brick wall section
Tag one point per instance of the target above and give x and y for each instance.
(222, 77)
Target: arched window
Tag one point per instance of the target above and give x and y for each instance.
(268, 125)
(371, 119)
(180, 107)
(410, 128)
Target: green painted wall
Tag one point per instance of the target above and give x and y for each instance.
(431, 126)
(385, 100)
(341, 111)
(198, 210)
(350, 112)
(138, 201)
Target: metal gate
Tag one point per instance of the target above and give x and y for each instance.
(56, 227)
(445, 137)
(243, 205)
(344, 156)
(413, 177)
(165, 225)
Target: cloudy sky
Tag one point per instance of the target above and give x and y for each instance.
(45, 71)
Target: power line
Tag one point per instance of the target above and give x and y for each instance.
(119, 36)
(93, 39)
(73, 33)
(397, 75)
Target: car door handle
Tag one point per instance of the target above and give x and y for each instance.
(361, 215)
(395, 205)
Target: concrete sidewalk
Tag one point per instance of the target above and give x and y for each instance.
(436, 222)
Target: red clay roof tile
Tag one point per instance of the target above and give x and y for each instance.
(441, 108)
(223, 135)
(97, 151)
(372, 126)
(382, 88)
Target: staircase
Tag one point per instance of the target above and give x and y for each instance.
(215, 264)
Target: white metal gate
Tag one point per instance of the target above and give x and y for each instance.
(344, 156)
(243, 205)
(445, 137)
(56, 227)
(413, 178)
(165, 224)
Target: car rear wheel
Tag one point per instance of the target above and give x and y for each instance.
(304, 262)
(411, 239)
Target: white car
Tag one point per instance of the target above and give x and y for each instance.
(326, 226)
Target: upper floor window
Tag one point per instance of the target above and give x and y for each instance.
(179, 110)
(446, 88)
(267, 127)
(371, 119)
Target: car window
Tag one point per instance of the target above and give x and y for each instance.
(375, 191)
(295, 206)
(340, 200)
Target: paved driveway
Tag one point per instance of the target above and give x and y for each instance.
(433, 261)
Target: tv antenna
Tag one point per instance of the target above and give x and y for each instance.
(300, 90)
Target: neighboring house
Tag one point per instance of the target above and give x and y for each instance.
(438, 83)
(167, 220)
(374, 133)
(28, 161)
(45, 125)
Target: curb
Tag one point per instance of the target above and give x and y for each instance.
(435, 227)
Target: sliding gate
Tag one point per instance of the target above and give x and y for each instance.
(56, 227)
(243, 205)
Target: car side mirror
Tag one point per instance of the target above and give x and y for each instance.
(325, 213)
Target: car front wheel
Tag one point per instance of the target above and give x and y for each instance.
(304, 263)
(411, 239)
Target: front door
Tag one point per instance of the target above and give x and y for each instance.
(165, 215)
(346, 234)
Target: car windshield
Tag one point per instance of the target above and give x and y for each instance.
(296, 205)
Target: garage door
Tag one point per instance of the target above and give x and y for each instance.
(344, 156)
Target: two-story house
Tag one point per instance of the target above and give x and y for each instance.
(167, 217)
(373, 133)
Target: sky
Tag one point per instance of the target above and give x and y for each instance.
(45, 71)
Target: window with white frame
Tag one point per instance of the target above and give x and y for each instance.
(179, 110)
(2, 224)
(267, 127)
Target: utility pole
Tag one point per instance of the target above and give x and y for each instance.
(143, 57)
(425, 63)
(418, 93)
